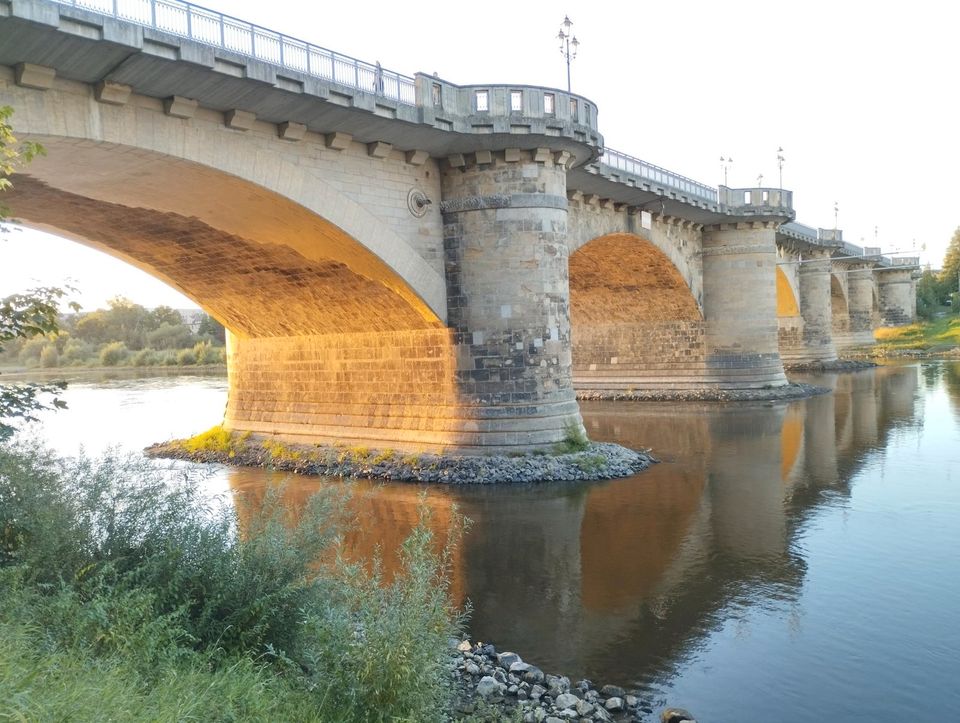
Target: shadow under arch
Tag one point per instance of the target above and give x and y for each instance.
(635, 322)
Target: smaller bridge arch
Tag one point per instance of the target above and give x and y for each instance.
(635, 321)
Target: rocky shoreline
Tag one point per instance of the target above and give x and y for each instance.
(794, 390)
(597, 461)
(500, 686)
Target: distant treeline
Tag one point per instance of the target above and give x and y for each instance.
(125, 334)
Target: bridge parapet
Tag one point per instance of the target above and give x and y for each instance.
(756, 201)
(507, 109)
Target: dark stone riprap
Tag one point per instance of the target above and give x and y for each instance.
(501, 686)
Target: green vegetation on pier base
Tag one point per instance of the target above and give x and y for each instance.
(125, 596)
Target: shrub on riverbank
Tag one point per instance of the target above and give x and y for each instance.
(125, 595)
(940, 335)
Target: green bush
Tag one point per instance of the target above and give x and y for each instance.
(77, 352)
(145, 358)
(49, 357)
(31, 350)
(126, 595)
(186, 357)
(170, 336)
(113, 354)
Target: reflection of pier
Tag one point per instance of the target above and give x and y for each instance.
(620, 581)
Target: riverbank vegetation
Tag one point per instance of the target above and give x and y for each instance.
(936, 337)
(126, 596)
(124, 334)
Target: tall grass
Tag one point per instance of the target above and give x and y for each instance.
(131, 597)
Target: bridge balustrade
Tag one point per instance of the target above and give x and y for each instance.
(656, 175)
(223, 31)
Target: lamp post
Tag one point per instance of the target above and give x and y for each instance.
(725, 163)
(566, 40)
(836, 215)
(780, 161)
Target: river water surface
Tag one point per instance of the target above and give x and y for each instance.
(792, 562)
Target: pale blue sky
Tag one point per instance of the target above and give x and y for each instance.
(861, 96)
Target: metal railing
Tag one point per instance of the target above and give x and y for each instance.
(655, 174)
(237, 36)
(808, 233)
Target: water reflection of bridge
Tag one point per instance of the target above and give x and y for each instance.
(621, 580)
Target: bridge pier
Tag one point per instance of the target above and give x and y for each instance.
(740, 306)
(860, 305)
(898, 296)
(816, 309)
(508, 297)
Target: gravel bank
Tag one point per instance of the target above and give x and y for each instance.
(598, 461)
(789, 391)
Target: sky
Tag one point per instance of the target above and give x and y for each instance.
(862, 97)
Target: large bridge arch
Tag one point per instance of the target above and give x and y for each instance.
(636, 324)
(249, 184)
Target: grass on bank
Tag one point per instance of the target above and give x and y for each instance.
(125, 596)
(939, 334)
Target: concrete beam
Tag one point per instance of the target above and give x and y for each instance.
(240, 120)
(338, 141)
(379, 149)
(511, 155)
(179, 107)
(39, 77)
(112, 93)
(483, 157)
(416, 158)
(290, 131)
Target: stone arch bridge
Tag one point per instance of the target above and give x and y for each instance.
(404, 262)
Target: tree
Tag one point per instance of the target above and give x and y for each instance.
(24, 316)
(950, 273)
(211, 329)
(28, 314)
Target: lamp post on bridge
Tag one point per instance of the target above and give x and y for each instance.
(725, 163)
(780, 162)
(566, 40)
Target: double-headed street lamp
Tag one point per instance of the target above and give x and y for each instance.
(725, 163)
(780, 161)
(566, 40)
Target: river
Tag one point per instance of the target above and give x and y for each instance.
(795, 562)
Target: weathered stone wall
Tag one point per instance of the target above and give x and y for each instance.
(640, 356)
(375, 389)
(505, 242)
(740, 306)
